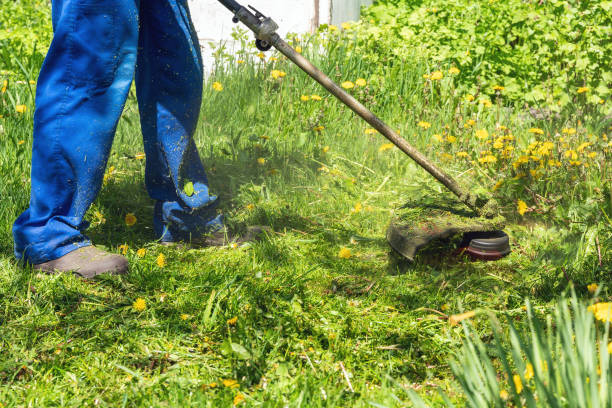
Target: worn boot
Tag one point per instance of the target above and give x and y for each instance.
(87, 262)
(222, 237)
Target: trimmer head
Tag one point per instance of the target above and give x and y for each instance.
(485, 246)
(415, 227)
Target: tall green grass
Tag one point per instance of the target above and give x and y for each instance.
(561, 359)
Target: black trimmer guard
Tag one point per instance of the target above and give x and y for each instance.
(414, 228)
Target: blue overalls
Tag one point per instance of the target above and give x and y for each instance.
(98, 46)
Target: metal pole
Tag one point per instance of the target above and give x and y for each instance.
(231, 5)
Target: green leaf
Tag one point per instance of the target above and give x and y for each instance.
(240, 351)
(188, 189)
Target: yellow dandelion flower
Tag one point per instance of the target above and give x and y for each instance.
(498, 185)
(462, 154)
(517, 383)
(273, 59)
(454, 320)
(370, 131)
(139, 305)
(161, 260)
(602, 311)
(503, 394)
(385, 147)
(469, 98)
(348, 85)
(232, 322)
(592, 288)
(358, 208)
(438, 138)
(426, 76)
(141, 252)
(261, 55)
(19, 143)
(361, 82)
(32, 82)
(261, 161)
(451, 139)
(184, 316)
(488, 159)
(436, 76)
(592, 155)
(315, 97)
(250, 207)
(230, 383)
(217, 86)
(298, 49)
(346, 26)
(424, 125)
(238, 399)
(240, 61)
(536, 131)
(140, 156)
(583, 146)
(325, 149)
(485, 102)
(345, 253)
(529, 371)
(304, 98)
(583, 89)
(4, 86)
(571, 154)
(21, 108)
(123, 249)
(276, 74)
(318, 128)
(521, 207)
(569, 131)
(498, 88)
(610, 348)
(130, 219)
(482, 134)
(453, 71)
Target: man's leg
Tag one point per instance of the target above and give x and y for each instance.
(81, 92)
(169, 88)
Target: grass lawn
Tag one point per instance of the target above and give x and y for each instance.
(288, 321)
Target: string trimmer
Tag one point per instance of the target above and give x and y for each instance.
(413, 227)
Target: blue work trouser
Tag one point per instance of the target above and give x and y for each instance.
(97, 47)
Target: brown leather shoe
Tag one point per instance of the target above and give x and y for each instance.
(87, 262)
(223, 238)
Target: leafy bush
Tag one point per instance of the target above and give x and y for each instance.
(539, 52)
(25, 30)
(562, 360)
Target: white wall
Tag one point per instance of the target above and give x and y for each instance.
(214, 22)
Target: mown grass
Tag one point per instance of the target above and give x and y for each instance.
(311, 328)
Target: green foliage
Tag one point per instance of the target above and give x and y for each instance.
(540, 52)
(560, 359)
(25, 30)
